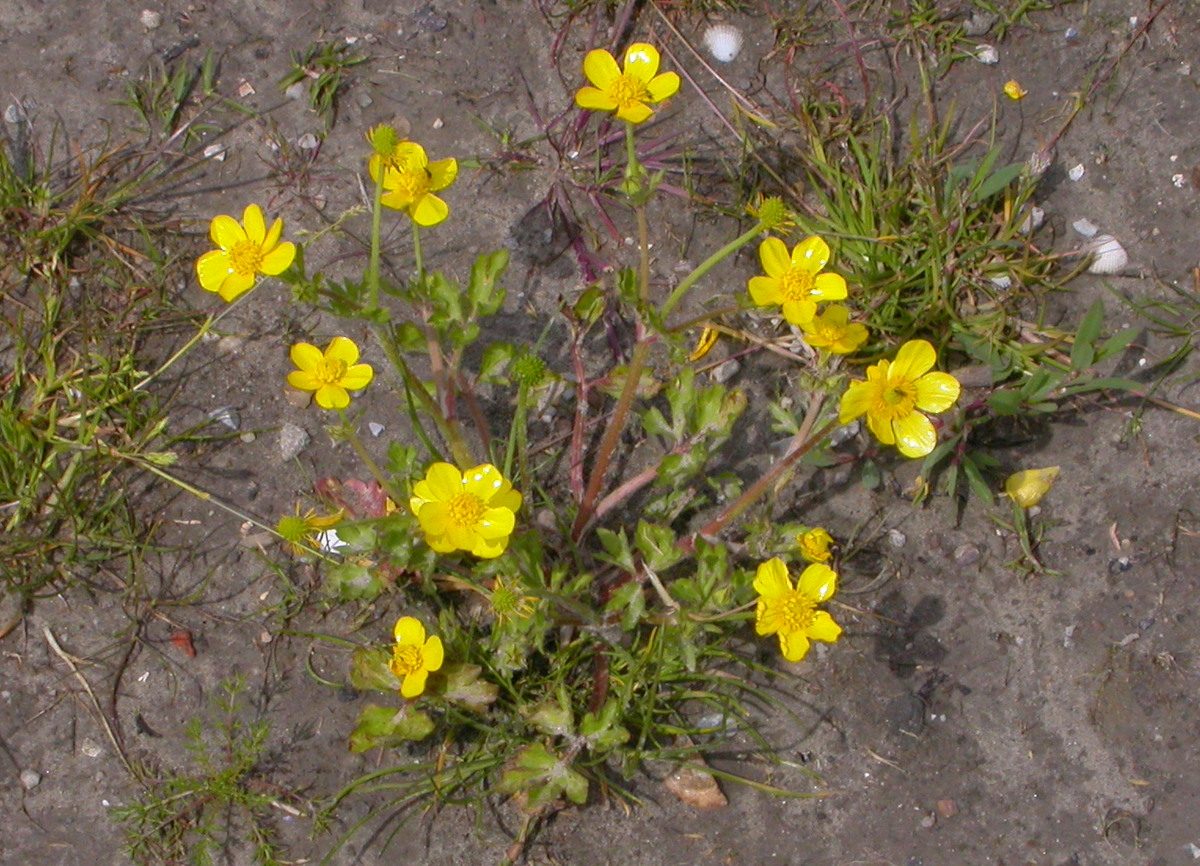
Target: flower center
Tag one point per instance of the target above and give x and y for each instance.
(330, 371)
(628, 91)
(246, 258)
(796, 284)
(795, 612)
(896, 400)
(466, 509)
(411, 185)
(406, 659)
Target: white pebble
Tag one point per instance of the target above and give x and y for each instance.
(1076, 173)
(30, 779)
(292, 440)
(151, 19)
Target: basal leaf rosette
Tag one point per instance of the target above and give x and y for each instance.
(897, 393)
(473, 510)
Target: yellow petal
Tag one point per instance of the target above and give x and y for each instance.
(823, 628)
(594, 100)
(342, 349)
(332, 397)
(915, 436)
(508, 498)
(256, 227)
(273, 235)
(486, 548)
(771, 580)
(279, 259)
(881, 428)
(794, 645)
(414, 684)
(1027, 487)
(303, 381)
(774, 256)
(601, 69)
(442, 173)
(357, 377)
(409, 631)
(799, 312)
(225, 232)
(829, 287)
(765, 619)
(855, 402)
(637, 112)
(306, 356)
(396, 200)
(818, 582)
(811, 254)
(914, 359)
(429, 210)
(483, 481)
(641, 61)
(445, 481)
(432, 654)
(434, 517)
(495, 523)
(936, 392)
(663, 86)
(764, 291)
(212, 269)
(236, 285)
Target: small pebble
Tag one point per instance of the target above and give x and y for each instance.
(292, 440)
(375, 427)
(91, 748)
(966, 554)
(946, 808)
(30, 779)
(1076, 173)
(896, 538)
(151, 19)
(296, 91)
(928, 821)
(308, 141)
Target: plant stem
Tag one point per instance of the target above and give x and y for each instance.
(707, 265)
(376, 231)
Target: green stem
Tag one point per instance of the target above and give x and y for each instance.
(707, 265)
(417, 257)
(376, 232)
(517, 438)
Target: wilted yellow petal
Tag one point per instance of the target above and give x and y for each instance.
(1027, 487)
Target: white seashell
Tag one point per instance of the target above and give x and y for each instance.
(1033, 221)
(375, 427)
(1085, 227)
(1001, 281)
(1108, 256)
(1076, 173)
(723, 41)
(215, 151)
(987, 54)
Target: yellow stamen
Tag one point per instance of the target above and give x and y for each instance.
(466, 509)
(406, 659)
(796, 284)
(246, 258)
(330, 371)
(628, 91)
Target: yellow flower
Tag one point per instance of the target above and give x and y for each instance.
(1027, 487)
(795, 282)
(410, 181)
(833, 330)
(473, 511)
(626, 91)
(815, 545)
(330, 373)
(895, 391)
(414, 657)
(1014, 91)
(302, 532)
(708, 339)
(244, 253)
(791, 612)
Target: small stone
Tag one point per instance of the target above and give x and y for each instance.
(247, 437)
(966, 554)
(375, 427)
(946, 808)
(308, 141)
(896, 538)
(363, 99)
(726, 370)
(30, 779)
(265, 637)
(151, 19)
(929, 821)
(1076, 173)
(296, 91)
(292, 440)
(215, 151)
(91, 748)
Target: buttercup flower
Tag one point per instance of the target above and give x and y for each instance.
(410, 181)
(1027, 487)
(331, 374)
(303, 532)
(473, 510)
(833, 331)
(795, 281)
(246, 251)
(895, 391)
(791, 612)
(414, 657)
(815, 545)
(1014, 91)
(626, 91)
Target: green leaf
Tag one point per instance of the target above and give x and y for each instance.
(385, 726)
(1117, 343)
(630, 601)
(485, 273)
(998, 181)
(462, 685)
(410, 338)
(552, 719)
(1083, 352)
(370, 671)
(657, 545)
(496, 359)
(975, 478)
(616, 545)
